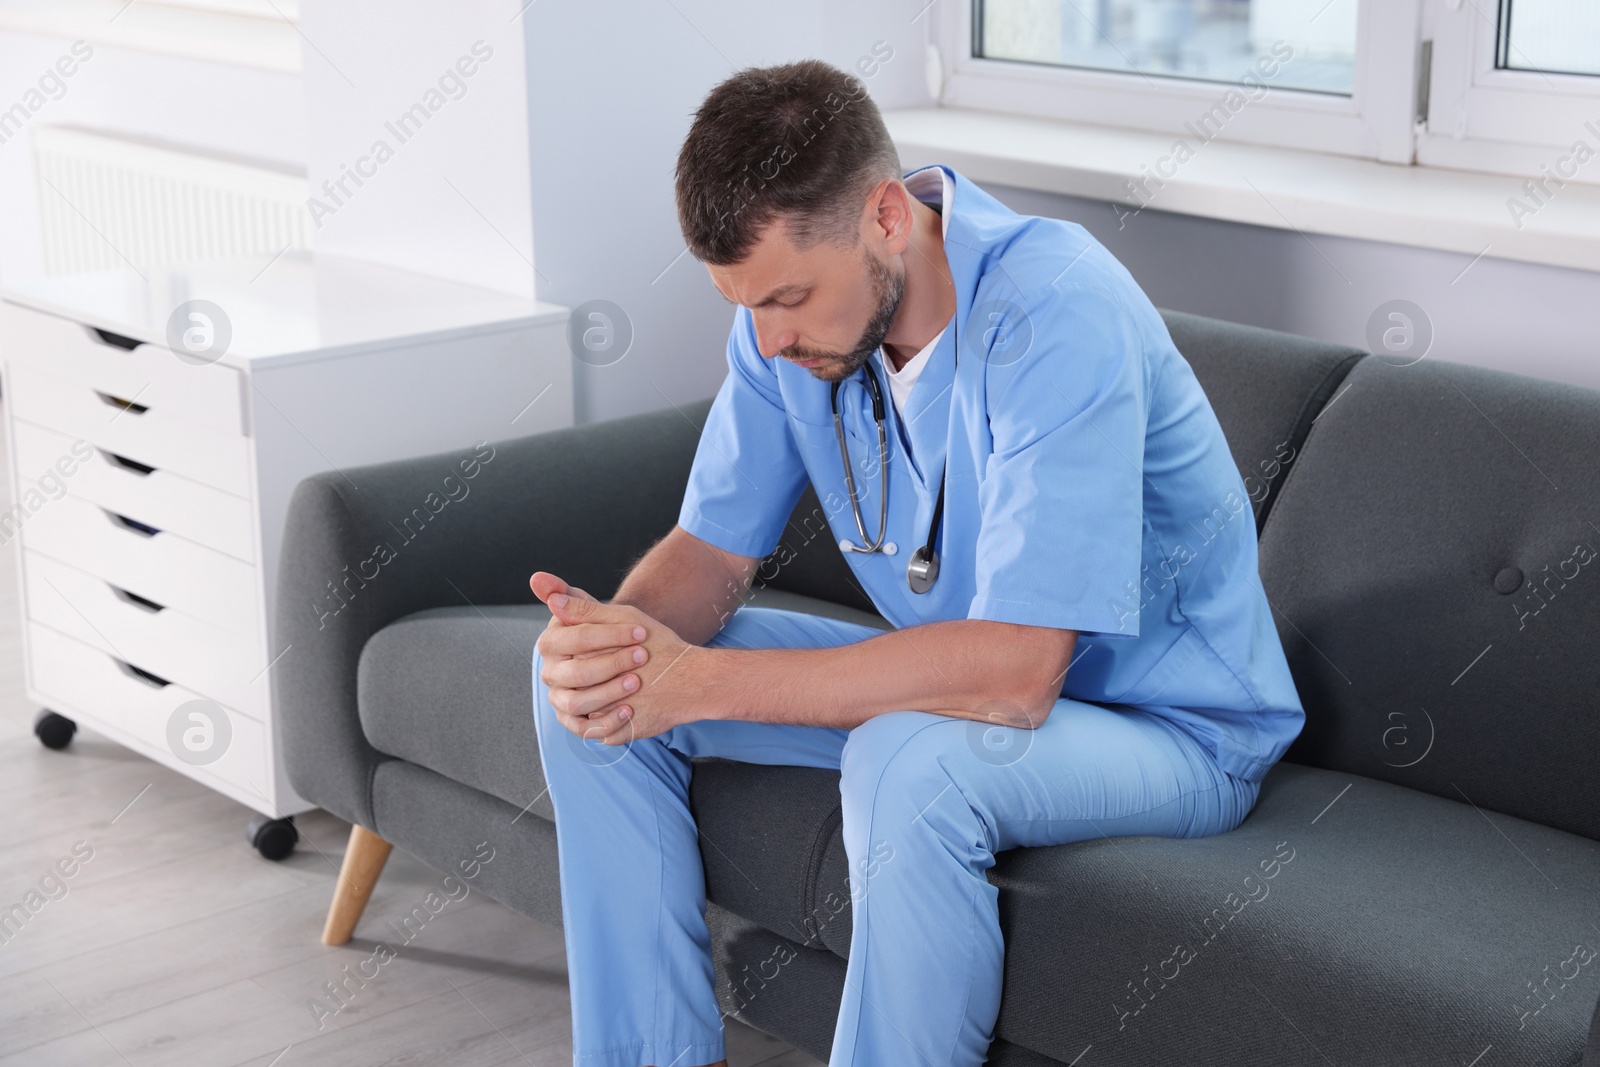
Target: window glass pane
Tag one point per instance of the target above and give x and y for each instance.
(1306, 44)
(1558, 36)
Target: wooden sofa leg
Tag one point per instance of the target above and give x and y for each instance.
(364, 858)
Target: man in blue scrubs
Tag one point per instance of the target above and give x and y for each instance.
(1095, 656)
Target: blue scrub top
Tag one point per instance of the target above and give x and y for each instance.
(1090, 486)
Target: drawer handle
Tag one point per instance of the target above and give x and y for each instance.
(115, 340)
(140, 528)
(118, 402)
(154, 681)
(141, 602)
(127, 464)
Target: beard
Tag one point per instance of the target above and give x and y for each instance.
(888, 288)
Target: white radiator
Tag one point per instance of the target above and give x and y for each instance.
(107, 201)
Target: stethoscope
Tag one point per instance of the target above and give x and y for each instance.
(923, 569)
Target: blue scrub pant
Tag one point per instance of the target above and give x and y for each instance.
(927, 801)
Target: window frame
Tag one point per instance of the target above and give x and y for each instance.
(1375, 121)
(1503, 121)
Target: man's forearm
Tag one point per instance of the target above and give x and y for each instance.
(685, 585)
(949, 667)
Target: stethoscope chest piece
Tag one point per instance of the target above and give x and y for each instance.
(923, 570)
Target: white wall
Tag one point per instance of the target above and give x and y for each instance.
(612, 89)
(448, 193)
(189, 103)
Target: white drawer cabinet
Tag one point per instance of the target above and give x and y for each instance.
(165, 640)
(162, 567)
(150, 486)
(152, 495)
(134, 708)
(91, 370)
(42, 395)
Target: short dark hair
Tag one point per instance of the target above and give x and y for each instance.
(801, 140)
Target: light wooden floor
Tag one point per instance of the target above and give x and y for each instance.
(177, 944)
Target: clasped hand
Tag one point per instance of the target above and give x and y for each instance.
(614, 672)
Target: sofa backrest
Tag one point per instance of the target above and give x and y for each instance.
(1431, 565)
(1265, 388)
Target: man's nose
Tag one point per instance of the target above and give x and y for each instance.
(769, 341)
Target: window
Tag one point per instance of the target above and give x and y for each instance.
(1514, 87)
(1503, 85)
(1210, 41)
(1550, 36)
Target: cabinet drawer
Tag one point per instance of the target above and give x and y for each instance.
(106, 691)
(151, 436)
(225, 666)
(161, 566)
(151, 495)
(206, 395)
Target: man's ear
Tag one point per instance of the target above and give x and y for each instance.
(891, 216)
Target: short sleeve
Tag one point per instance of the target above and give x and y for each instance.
(1062, 497)
(747, 474)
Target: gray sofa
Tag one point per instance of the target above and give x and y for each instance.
(1419, 882)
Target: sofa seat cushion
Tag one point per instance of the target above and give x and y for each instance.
(1445, 929)
(1346, 920)
(451, 689)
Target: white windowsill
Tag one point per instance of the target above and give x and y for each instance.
(257, 35)
(1310, 192)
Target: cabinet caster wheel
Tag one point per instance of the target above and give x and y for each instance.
(273, 838)
(53, 730)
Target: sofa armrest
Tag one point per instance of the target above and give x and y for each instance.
(368, 545)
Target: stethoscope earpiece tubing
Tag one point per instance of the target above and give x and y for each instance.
(883, 469)
(923, 569)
